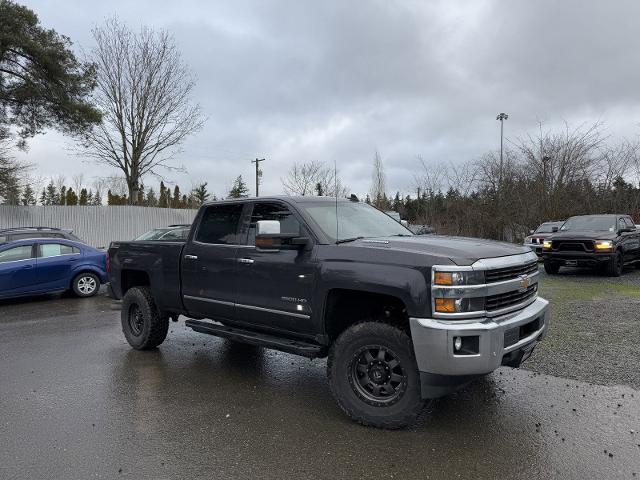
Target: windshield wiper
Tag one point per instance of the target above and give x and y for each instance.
(347, 240)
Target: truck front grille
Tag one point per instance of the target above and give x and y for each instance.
(508, 273)
(572, 246)
(508, 299)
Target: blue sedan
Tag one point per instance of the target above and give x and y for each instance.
(45, 265)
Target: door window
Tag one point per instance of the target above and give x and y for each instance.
(57, 249)
(272, 211)
(629, 223)
(15, 254)
(219, 224)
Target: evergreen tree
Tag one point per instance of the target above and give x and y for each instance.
(151, 200)
(90, 197)
(84, 197)
(239, 189)
(51, 196)
(175, 203)
(28, 196)
(71, 198)
(163, 200)
(61, 199)
(43, 197)
(97, 198)
(200, 194)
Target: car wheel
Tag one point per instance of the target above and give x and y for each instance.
(551, 268)
(374, 376)
(143, 325)
(86, 284)
(616, 265)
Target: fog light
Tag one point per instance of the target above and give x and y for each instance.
(457, 343)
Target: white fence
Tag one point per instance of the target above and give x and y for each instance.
(97, 226)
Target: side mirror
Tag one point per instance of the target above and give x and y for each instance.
(268, 237)
(404, 223)
(531, 232)
(554, 229)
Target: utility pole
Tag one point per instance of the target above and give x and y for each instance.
(501, 117)
(258, 173)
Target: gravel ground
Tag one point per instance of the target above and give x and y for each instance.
(595, 329)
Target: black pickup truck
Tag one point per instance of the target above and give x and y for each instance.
(604, 242)
(402, 318)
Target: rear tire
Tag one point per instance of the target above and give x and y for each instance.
(551, 268)
(374, 376)
(143, 325)
(85, 284)
(615, 267)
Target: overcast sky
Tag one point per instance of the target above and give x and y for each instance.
(338, 80)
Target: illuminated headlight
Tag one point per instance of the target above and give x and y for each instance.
(469, 277)
(459, 305)
(546, 245)
(604, 245)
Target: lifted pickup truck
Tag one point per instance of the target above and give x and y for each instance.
(401, 318)
(605, 242)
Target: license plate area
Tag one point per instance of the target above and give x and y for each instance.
(571, 263)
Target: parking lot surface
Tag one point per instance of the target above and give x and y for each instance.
(77, 402)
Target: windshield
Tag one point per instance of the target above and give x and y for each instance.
(154, 234)
(590, 224)
(547, 227)
(354, 220)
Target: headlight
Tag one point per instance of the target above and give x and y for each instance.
(604, 245)
(459, 305)
(528, 240)
(546, 245)
(469, 277)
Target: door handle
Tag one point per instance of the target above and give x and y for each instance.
(27, 267)
(191, 257)
(246, 260)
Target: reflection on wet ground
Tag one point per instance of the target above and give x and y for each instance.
(77, 402)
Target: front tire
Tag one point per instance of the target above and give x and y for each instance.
(143, 325)
(374, 376)
(551, 268)
(86, 284)
(615, 266)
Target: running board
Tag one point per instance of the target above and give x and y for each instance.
(296, 347)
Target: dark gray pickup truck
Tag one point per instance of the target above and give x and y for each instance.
(401, 318)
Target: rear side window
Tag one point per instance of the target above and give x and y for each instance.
(57, 249)
(219, 224)
(15, 254)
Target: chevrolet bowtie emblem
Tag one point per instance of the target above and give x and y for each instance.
(524, 282)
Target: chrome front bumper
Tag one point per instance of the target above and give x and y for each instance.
(433, 340)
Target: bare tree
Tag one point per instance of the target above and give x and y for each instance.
(312, 178)
(144, 93)
(378, 182)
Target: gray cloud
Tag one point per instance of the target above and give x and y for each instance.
(336, 80)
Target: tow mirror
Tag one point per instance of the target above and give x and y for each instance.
(268, 237)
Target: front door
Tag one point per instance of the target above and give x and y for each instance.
(209, 263)
(17, 270)
(275, 287)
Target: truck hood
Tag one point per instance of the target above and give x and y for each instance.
(584, 235)
(460, 250)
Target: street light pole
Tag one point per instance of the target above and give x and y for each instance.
(258, 173)
(501, 117)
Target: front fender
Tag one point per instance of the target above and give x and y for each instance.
(406, 283)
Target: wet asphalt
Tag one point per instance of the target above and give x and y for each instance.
(77, 403)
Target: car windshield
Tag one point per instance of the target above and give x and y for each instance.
(602, 223)
(355, 220)
(154, 234)
(547, 227)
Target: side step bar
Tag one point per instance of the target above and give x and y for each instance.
(297, 347)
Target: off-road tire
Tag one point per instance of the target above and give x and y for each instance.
(402, 411)
(85, 284)
(615, 266)
(143, 325)
(551, 268)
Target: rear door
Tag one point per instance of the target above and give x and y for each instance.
(275, 287)
(17, 270)
(209, 265)
(56, 260)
